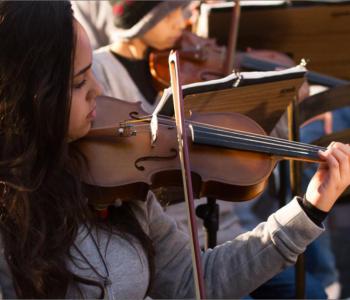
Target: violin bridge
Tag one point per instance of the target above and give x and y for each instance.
(154, 128)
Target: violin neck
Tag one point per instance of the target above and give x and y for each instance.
(240, 140)
(313, 77)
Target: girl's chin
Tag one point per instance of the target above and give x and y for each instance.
(79, 134)
(167, 45)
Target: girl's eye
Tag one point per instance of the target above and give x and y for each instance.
(80, 84)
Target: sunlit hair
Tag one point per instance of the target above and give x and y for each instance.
(41, 202)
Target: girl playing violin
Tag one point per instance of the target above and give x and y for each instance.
(53, 243)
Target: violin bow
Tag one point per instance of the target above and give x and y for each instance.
(231, 46)
(186, 172)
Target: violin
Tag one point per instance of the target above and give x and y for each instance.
(231, 156)
(201, 60)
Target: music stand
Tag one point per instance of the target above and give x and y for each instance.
(263, 96)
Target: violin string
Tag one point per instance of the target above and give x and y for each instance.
(239, 143)
(263, 138)
(246, 134)
(254, 136)
(273, 141)
(256, 139)
(246, 144)
(259, 136)
(235, 141)
(278, 142)
(243, 143)
(251, 146)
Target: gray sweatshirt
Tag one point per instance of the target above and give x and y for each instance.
(231, 270)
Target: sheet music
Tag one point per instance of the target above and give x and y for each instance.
(234, 80)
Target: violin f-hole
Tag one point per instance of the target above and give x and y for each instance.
(154, 158)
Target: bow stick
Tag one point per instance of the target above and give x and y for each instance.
(232, 41)
(186, 172)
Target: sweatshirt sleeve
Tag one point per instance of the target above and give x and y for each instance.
(233, 269)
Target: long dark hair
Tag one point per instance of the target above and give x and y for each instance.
(41, 201)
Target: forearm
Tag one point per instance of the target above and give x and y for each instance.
(237, 267)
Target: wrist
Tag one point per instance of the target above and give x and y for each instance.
(318, 202)
(314, 213)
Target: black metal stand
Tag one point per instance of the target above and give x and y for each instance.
(209, 213)
(295, 185)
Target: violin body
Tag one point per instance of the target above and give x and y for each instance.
(201, 59)
(124, 164)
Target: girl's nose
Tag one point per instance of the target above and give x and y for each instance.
(182, 18)
(97, 86)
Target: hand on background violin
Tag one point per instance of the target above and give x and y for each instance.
(271, 55)
(326, 118)
(331, 178)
